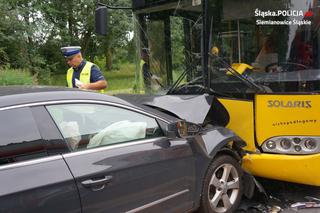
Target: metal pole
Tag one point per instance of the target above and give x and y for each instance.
(167, 41)
(239, 42)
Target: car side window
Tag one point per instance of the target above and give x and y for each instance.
(20, 138)
(87, 126)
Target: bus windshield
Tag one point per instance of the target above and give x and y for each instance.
(196, 46)
(276, 42)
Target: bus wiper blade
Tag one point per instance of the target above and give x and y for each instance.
(173, 87)
(247, 81)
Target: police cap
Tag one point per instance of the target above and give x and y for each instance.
(70, 51)
(145, 51)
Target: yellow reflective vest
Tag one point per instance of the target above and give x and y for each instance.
(84, 75)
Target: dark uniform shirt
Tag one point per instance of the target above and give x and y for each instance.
(95, 75)
(146, 75)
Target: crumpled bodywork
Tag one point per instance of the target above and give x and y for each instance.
(192, 108)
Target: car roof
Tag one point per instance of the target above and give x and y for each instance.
(20, 95)
(17, 95)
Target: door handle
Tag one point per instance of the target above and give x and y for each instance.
(96, 182)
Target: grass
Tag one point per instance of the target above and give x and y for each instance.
(15, 77)
(121, 79)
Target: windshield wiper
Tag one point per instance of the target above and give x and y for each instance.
(175, 85)
(249, 82)
(178, 81)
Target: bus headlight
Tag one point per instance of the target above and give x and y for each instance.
(299, 145)
(285, 143)
(271, 144)
(310, 143)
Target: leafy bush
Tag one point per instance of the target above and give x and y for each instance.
(100, 62)
(15, 77)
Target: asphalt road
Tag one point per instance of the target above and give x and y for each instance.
(280, 195)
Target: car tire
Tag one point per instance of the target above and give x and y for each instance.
(222, 186)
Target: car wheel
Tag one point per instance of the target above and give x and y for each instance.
(222, 189)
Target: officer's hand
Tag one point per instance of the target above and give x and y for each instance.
(154, 77)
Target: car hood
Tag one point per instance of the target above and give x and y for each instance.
(192, 108)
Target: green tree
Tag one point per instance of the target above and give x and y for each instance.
(33, 31)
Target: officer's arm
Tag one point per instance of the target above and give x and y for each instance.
(97, 80)
(102, 84)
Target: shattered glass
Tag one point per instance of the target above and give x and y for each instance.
(171, 33)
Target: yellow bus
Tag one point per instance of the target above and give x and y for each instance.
(260, 59)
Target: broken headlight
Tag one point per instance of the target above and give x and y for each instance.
(299, 145)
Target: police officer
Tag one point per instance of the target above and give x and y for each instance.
(146, 69)
(148, 77)
(82, 74)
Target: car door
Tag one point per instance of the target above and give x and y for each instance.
(30, 179)
(122, 162)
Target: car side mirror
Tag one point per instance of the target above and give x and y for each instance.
(101, 22)
(182, 129)
(172, 130)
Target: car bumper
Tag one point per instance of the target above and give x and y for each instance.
(292, 168)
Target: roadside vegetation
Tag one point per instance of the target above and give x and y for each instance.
(32, 33)
(121, 79)
(16, 77)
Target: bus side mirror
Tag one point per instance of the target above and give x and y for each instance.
(101, 20)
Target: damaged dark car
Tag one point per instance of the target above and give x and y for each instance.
(86, 152)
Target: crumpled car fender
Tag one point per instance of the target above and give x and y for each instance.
(220, 140)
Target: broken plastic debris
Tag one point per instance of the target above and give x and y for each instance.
(309, 198)
(275, 198)
(305, 205)
(275, 209)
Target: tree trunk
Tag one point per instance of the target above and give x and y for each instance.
(29, 44)
(109, 59)
(71, 21)
(91, 58)
(85, 42)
